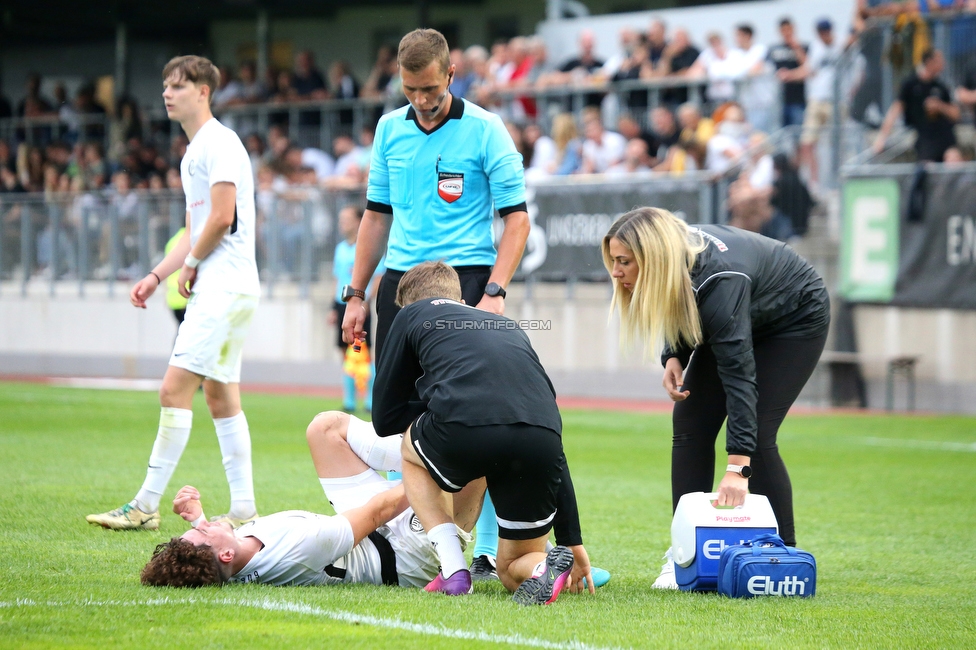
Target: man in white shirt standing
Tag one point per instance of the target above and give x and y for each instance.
(819, 71)
(757, 94)
(218, 273)
(602, 149)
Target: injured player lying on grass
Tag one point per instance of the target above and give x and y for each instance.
(376, 538)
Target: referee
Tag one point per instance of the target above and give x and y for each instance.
(440, 167)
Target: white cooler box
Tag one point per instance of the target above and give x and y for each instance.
(699, 532)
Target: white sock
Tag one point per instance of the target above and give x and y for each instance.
(539, 569)
(235, 451)
(171, 439)
(335, 487)
(381, 454)
(446, 544)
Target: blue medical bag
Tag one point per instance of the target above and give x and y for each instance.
(765, 566)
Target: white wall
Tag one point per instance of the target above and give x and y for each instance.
(580, 336)
(285, 329)
(290, 342)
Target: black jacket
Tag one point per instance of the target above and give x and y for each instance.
(463, 365)
(472, 367)
(750, 287)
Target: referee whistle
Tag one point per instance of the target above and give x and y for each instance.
(357, 345)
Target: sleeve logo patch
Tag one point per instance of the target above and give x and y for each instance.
(415, 524)
(450, 186)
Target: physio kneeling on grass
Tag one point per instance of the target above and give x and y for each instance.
(476, 402)
(755, 315)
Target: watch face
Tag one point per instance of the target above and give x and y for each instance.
(746, 471)
(494, 289)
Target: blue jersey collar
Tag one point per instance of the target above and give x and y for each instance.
(455, 113)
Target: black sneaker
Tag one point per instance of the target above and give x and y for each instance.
(543, 588)
(483, 568)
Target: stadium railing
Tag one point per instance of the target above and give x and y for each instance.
(84, 237)
(316, 123)
(117, 238)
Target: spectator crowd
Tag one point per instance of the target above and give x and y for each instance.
(659, 104)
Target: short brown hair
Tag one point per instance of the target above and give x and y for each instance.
(180, 563)
(420, 48)
(194, 68)
(428, 280)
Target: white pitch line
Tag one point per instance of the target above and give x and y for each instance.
(108, 383)
(337, 615)
(921, 444)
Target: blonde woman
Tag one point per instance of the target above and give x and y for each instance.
(561, 154)
(755, 315)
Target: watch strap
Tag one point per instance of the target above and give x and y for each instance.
(737, 469)
(494, 289)
(350, 292)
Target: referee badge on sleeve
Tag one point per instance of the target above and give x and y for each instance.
(450, 186)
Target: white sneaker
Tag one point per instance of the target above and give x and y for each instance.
(666, 580)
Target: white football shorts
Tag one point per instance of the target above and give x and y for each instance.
(417, 563)
(211, 338)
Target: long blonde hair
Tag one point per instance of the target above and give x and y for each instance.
(660, 308)
(563, 132)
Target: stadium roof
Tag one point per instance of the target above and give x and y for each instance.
(59, 21)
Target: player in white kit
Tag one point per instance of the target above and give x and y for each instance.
(374, 539)
(218, 273)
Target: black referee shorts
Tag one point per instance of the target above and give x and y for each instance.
(522, 463)
(474, 279)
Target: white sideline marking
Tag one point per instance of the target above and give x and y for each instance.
(108, 383)
(346, 617)
(921, 444)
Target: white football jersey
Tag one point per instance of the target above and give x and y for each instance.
(300, 545)
(216, 155)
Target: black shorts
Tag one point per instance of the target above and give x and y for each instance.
(522, 463)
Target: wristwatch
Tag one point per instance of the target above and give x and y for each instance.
(494, 289)
(742, 470)
(348, 292)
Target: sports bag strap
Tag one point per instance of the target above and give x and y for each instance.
(771, 539)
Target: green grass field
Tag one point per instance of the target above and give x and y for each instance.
(884, 503)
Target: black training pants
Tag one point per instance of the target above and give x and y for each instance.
(783, 366)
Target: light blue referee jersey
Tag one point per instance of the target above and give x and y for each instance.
(442, 186)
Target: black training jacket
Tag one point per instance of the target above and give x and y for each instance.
(750, 287)
(465, 365)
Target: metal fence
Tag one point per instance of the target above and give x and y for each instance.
(114, 237)
(117, 238)
(316, 124)
(64, 238)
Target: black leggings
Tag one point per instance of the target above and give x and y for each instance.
(783, 366)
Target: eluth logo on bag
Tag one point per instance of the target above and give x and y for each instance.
(788, 586)
(450, 186)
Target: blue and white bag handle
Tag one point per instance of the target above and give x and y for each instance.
(768, 539)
